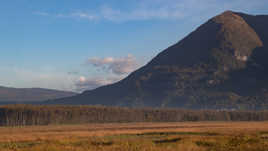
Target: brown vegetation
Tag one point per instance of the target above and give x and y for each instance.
(190, 136)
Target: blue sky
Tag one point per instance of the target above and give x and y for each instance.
(82, 44)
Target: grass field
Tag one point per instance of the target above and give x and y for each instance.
(198, 136)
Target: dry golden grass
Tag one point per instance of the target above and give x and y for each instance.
(189, 136)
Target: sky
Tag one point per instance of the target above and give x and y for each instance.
(78, 45)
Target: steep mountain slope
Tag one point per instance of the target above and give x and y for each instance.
(30, 94)
(222, 64)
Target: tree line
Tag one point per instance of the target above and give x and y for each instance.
(21, 115)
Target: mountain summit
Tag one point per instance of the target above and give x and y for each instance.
(221, 65)
(226, 36)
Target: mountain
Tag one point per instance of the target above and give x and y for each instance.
(220, 65)
(11, 95)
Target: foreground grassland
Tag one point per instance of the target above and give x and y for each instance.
(198, 136)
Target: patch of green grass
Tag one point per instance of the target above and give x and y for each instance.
(264, 132)
(205, 143)
(168, 140)
(17, 145)
(102, 143)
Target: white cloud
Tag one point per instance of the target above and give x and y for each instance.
(91, 83)
(118, 66)
(82, 79)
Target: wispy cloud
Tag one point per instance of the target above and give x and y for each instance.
(108, 13)
(83, 15)
(77, 15)
(162, 10)
(41, 13)
(117, 66)
(116, 15)
(111, 14)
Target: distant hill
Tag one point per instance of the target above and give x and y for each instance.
(221, 65)
(12, 95)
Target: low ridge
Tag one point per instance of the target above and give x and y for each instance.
(22, 95)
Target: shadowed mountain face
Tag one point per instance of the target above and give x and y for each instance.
(8, 95)
(221, 65)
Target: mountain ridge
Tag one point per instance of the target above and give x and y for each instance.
(219, 65)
